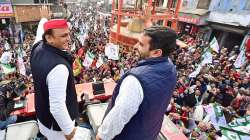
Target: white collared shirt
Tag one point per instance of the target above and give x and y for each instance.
(126, 106)
(57, 84)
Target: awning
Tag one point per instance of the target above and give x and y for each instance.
(196, 16)
(199, 12)
(232, 29)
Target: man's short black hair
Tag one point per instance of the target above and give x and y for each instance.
(161, 38)
(48, 32)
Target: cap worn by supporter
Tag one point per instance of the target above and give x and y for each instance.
(55, 24)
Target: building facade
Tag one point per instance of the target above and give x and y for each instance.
(192, 18)
(230, 21)
(6, 13)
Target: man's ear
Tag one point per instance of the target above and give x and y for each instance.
(156, 53)
(49, 38)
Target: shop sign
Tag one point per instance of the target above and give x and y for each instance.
(189, 18)
(6, 9)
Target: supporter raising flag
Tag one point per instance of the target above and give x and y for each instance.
(214, 45)
(89, 58)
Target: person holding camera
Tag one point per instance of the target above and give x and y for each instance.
(6, 107)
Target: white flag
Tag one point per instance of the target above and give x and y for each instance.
(21, 66)
(6, 45)
(73, 47)
(214, 45)
(89, 58)
(196, 72)
(241, 59)
(99, 62)
(6, 57)
(207, 58)
(112, 51)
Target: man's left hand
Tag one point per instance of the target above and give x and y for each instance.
(98, 138)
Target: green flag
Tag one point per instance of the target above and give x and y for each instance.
(7, 69)
(89, 58)
(232, 134)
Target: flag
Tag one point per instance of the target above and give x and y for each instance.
(99, 62)
(207, 58)
(7, 69)
(89, 58)
(241, 124)
(196, 72)
(230, 134)
(6, 45)
(216, 115)
(241, 59)
(83, 37)
(77, 67)
(6, 57)
(214, 45)
(112, 51)
(21, 66)
(81, 30)
(73, 47)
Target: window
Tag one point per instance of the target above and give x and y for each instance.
(203, 4)
(172, 4)
(45, 1)
(184, 3)
(247, 7)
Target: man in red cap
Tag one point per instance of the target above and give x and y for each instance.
(55, 99)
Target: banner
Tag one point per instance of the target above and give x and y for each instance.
(89, 58)
(112, 51)
(214, 45)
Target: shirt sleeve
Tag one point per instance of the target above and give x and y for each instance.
(40, 30)
(126, 106)
(57, 84)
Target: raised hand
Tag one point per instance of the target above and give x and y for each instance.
(45, 12)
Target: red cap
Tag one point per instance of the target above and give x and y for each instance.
(55, 24)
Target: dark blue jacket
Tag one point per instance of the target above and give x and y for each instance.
(157, 77)
(43, 59)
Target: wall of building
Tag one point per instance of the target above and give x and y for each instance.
(233, 6)
(231, 12)
(189, 4)
(22, 1)
(4, 0)
(33, 1)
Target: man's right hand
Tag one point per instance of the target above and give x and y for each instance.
(71, 135)
(45, 12)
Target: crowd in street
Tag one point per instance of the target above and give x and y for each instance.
(90, 33)
(218, 82)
